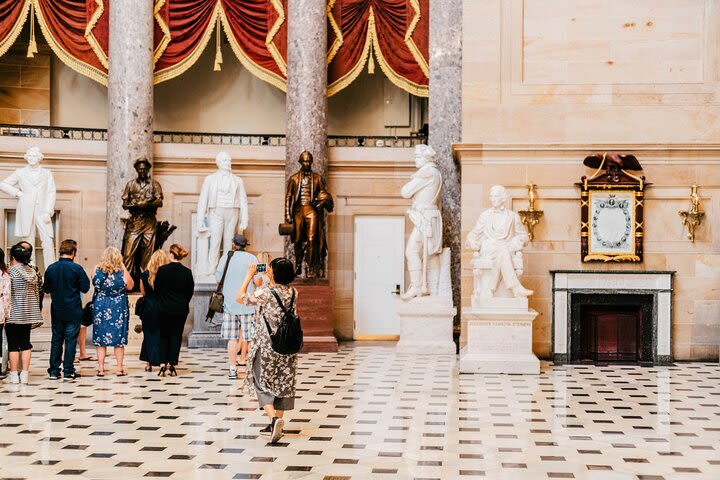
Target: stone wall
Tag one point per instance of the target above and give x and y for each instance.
(545, 82)
(364, 181)
(554, 169)
(25, 87)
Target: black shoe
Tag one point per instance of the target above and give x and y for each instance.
(72, 376)
(161, 373)
(173, 373)
(277, 429)
(267, 431)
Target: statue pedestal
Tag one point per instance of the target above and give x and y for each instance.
(499, 338)
(426, 326)
(204, 334)
(315, 308)
(135, 337)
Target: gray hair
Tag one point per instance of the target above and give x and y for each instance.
(33, 151)
(427, 152)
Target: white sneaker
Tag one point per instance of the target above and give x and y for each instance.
(13, 377)
(232, 373)
(24, 377)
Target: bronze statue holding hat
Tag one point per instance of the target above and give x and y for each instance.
(143, 234)
(306, 201)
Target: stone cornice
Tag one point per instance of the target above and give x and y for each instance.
(469, 154)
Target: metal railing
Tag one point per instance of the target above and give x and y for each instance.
(72, 133)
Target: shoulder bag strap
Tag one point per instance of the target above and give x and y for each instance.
(222, 279)
(277, 297)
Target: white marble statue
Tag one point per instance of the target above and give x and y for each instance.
(497, 241)
(34, 187)
(425, 243)
(222, 205)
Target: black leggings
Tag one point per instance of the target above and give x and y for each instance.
(18, 337)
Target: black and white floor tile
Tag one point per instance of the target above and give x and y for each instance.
(367, 413)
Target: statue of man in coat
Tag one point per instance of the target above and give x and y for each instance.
(34, 187)
(306, 201)
(222, 204)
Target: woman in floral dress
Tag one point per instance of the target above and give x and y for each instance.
(111, 313)
(270, 374)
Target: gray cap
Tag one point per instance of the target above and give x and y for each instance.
(240, 240)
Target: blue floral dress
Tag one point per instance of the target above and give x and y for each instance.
(111, 310)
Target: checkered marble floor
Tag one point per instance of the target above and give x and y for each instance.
(368, 413)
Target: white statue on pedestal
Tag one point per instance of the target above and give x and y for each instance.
(222, 203)
(499, 324)
(497, 242)
(34, 187)
(425, 243)
(426, 315)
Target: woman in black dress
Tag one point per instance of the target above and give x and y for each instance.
(174, 288)
(150, 351)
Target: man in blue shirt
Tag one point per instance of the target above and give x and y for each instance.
(65, 281)
(238, 320)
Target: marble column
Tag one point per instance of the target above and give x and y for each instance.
(130, 102)
(445, 112)
(306, 104)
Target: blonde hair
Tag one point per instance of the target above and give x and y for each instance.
(178, 251)
(111, 260)
(158, 259)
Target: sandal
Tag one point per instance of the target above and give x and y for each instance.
(101, 373)
(87, 359)
(121, 373)
(148, 368)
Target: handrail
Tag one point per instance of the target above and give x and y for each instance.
(203, 138)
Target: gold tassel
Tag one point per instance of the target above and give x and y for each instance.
(218, 47)
(371, 62)
(32, 46)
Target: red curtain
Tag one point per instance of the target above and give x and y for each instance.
(392, 32)
(76, 30)
(13, 14)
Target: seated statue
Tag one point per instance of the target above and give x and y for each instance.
(497, 242)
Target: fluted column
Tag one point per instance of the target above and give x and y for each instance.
(306, 84)
(130, 102)
(445, 112)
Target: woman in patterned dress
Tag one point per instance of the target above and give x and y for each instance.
(111, 313)
(270, 374)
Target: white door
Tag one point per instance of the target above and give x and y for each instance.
(379, 276)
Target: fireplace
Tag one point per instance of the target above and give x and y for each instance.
(610, 328)
(612, 316)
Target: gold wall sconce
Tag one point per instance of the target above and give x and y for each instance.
(692, 218)
(531, 216)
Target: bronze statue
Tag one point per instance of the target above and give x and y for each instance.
(306, 201)
(143, 233)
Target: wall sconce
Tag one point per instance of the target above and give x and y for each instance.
(531, 216)
(693, 218)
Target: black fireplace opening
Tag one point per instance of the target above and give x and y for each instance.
(611, 328)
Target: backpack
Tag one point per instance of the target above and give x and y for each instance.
(288, 338)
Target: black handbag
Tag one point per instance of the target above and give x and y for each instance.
(217, 299)
(140, 306)
(87, 317)
(288, 338)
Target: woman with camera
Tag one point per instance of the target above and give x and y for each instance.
(270, 374)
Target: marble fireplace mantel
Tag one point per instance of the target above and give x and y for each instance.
(567, 283)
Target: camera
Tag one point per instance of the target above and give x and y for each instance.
(262, 267)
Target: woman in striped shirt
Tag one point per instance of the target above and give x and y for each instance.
(25, 311)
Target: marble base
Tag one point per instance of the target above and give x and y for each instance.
(499, 341)
(135, 336)
(204, 334)
(315, 307)
(426, 326)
